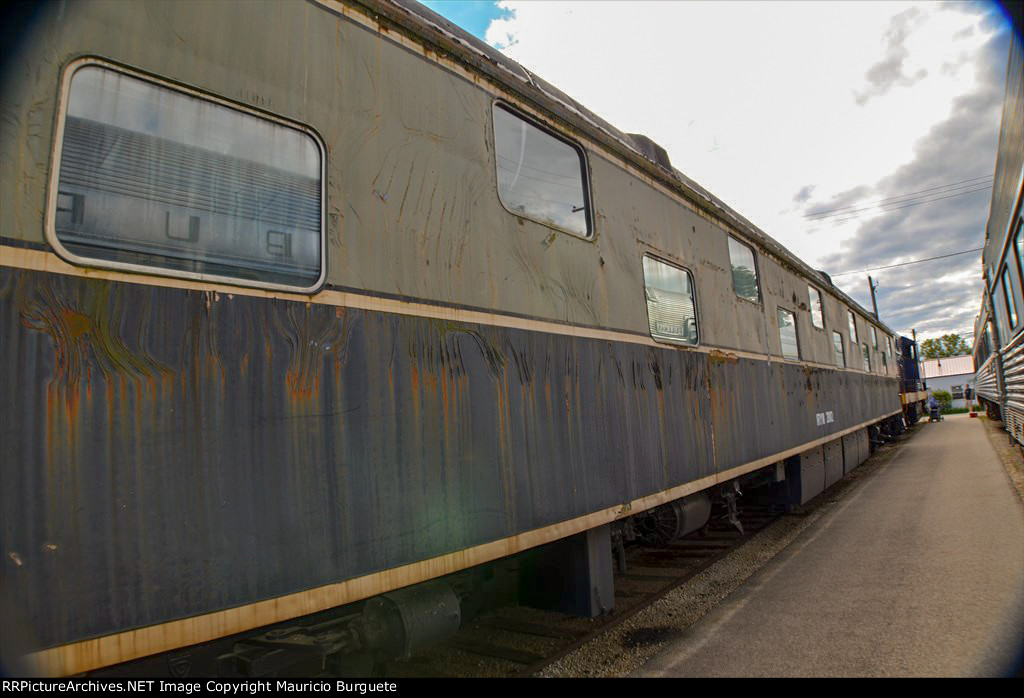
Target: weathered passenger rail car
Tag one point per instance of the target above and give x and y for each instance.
(999, 327)
(305, 302)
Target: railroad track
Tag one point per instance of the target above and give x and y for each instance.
(518, 641)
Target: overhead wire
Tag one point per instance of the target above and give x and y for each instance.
(903, 264)
(954, 185)
(857, 213)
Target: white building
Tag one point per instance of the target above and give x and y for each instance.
(954, 374)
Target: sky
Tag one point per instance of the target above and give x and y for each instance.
(857, 134)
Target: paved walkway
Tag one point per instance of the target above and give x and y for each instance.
(917, 572)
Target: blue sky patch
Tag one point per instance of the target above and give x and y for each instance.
(472, 15)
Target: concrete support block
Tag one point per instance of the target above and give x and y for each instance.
(850, 453)
(833, 454)
(865, 444)
(574, 575)
(805, 475)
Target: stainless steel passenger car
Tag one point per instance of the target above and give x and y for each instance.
(303, 302)
(999, 327)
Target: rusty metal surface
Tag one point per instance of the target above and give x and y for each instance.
(170, 452)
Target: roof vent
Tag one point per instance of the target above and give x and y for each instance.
(827, 277)
(651, 150)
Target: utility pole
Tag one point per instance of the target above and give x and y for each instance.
(874, 303)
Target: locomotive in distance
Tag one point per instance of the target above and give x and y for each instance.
(295, 324)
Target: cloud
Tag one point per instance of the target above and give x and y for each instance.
(942, 295)
(804, 194)
(761, 115)
(889, 72)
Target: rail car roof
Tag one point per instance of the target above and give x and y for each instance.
(430, 27)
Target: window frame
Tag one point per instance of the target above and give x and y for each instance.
(647, 307)
(757, 271)
(56, 151)
(796, 334)
(1012, 316)
(853, 325)
(842, 348)
(821, 306)
(1017, 242)
(866, 354)
(588, 205)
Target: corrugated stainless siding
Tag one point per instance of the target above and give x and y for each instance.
(985, 379)
(1013, 383)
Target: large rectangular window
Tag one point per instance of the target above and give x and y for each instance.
(744, 272)
(817, 314)
(671, 308)
(853, 326)
(837, 349)
(874, 338)
(1011, 307)
(151, 176)
(541, 176)
(867, 357)
(787, 334)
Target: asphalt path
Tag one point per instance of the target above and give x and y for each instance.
(919, 571)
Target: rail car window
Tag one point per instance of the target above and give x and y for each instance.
(853, 326)
(867, 357)
(1018, 242)
(151, 176)
(744, 271)
(817, 316)
(787, 334)
(838, 350)
(874, 338)
(540, 176)
(671, 309)
(885, 364)
(1008, 295)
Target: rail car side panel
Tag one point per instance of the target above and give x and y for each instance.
(196, 451)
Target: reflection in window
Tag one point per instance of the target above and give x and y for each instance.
(838, 351)
(744, 273)
(155, 177)
(867, 357)
(853, 326)
(1018, 242)
(817, 317)
(671, 311)
(874, 338)
(540, 176)
(787, 334)
(1011, 307)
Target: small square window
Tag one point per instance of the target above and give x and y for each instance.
(787, 334)
(838, 350)
(817, 314)
(671, 307)
(744, 271)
